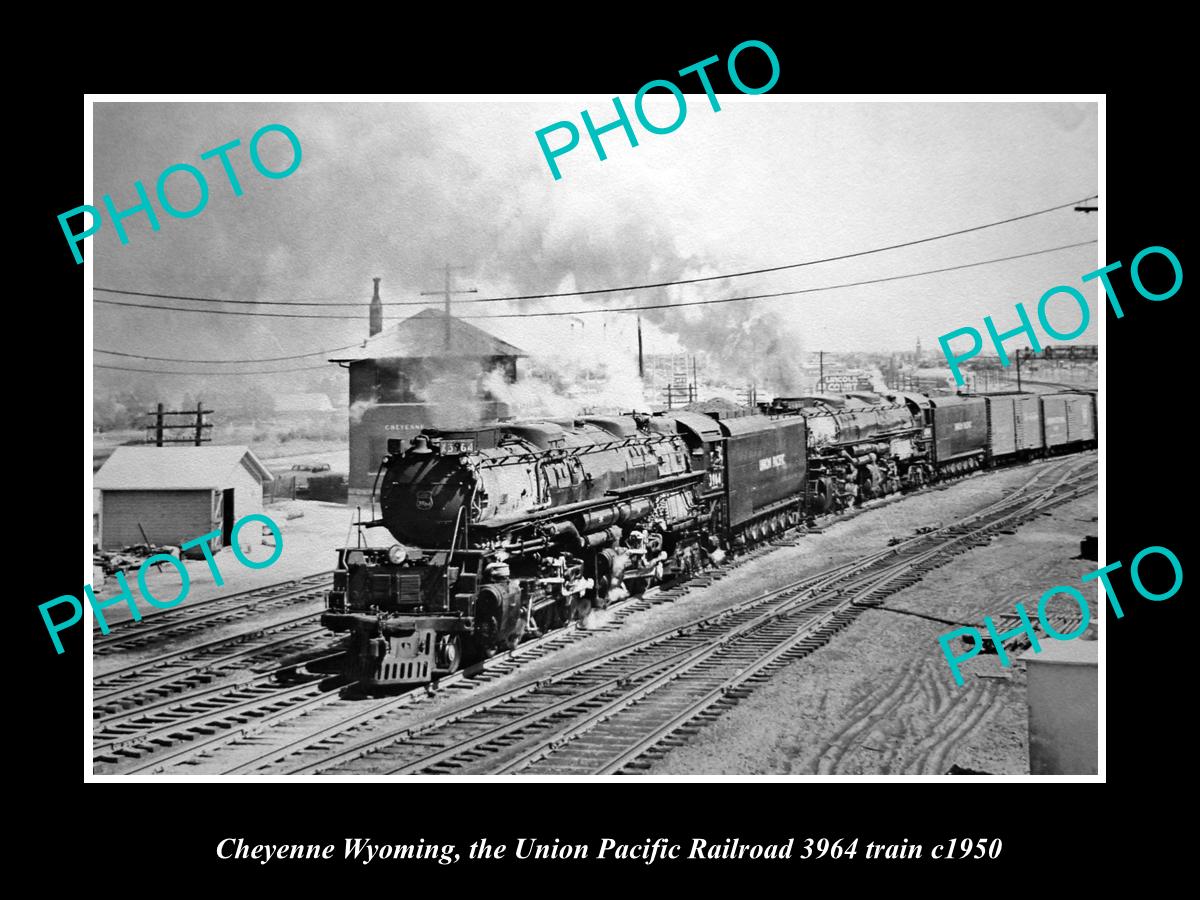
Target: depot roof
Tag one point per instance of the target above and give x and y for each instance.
(424, 335)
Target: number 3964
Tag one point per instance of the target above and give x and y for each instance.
(824, 847)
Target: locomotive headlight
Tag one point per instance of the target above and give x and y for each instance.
(396, 554)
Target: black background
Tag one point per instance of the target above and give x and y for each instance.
(147, 836)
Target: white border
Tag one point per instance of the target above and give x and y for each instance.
(90, 99)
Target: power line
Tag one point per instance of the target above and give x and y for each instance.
(251, 360)
(206, 374)
(631, 287)
(812, 290)
(615, 309)
(252, 302)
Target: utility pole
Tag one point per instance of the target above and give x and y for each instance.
(160, 426)
(695, 380)
(641, 361)
(446, 292)
(1019, 351)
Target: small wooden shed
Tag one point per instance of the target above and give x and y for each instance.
(176, 494)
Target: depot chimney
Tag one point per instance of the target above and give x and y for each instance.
(376, 310)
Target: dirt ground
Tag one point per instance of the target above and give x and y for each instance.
(880, 697)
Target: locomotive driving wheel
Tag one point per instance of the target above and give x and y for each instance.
(512, 640)
(482, 642)
(825, 495)
(449, 653)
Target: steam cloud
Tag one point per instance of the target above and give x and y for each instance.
(395, 190)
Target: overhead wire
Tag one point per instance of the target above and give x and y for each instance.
(214, 372)
(639, 308)
(630, 287)
(257, 359)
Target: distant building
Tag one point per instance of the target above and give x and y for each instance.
(177, 494)
(1080, 352)
(428, 370)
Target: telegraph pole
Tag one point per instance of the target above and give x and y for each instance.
(641, 362)
(446, 293)
(160, 425)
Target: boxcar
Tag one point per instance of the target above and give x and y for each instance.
(1014, 425)
(960, 432)
(765, 472)
(1068, 419)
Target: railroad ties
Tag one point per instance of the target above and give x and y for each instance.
(188, 620)
(618, 711)
(614, 713)
(187, 721)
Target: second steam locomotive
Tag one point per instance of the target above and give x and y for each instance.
(517, 527)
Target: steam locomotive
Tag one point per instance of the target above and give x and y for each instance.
(518, 527)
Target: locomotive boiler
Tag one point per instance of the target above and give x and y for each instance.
(861, 445)
(518, 527)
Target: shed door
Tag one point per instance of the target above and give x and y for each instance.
(218, 521)
(227, 517)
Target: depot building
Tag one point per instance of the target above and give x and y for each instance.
(427, 370)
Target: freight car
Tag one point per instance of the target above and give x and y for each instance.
(1014, 426)
(1069, 421)
(513, 528)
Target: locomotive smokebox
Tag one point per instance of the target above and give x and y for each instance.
(423, 495)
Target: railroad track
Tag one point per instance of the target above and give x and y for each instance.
(314, 714)
(1058, 385)
(190, 668)
(604, 715)
(130, 735)
(173, 729)
(187, 620)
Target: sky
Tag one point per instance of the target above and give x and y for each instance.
(398, 190)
